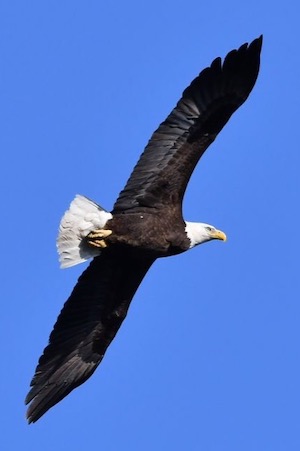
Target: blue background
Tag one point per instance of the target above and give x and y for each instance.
(208, 358)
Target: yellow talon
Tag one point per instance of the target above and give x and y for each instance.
(97, 238)
(101, 233)
(97, 243)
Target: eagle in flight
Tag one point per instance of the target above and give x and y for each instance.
(146, 223)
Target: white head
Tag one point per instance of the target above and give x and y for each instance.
(199, 232)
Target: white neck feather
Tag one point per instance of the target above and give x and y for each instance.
(198, 232)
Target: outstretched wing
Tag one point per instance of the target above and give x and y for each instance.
(165, 167)
(85, 327)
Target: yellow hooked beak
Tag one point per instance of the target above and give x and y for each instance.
(218, 235)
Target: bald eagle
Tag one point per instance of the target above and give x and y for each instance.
(146, 223)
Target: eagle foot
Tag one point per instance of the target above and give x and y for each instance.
(97, 238)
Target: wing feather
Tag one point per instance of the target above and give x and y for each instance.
(85, 327)
(165, 167)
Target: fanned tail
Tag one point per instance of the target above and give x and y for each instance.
(82, 217)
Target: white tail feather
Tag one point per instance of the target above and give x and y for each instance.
(82, 217)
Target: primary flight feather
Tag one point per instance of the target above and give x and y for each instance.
(146, 223)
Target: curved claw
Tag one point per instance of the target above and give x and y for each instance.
(96, 238)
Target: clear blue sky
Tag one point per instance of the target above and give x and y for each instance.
(208, 358)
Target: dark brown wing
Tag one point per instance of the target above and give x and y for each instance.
(164, 169)
(85, 327)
